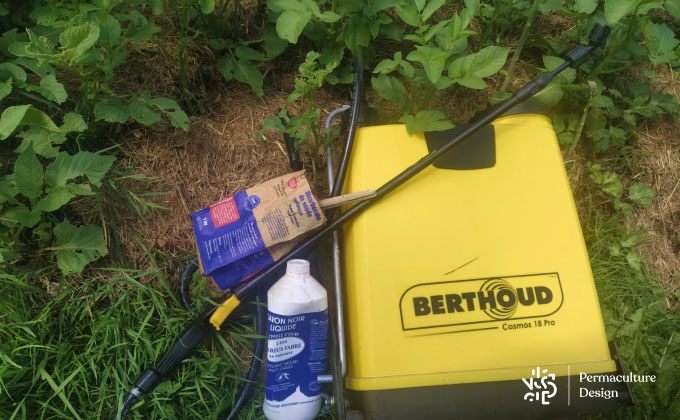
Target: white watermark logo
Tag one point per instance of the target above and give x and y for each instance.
(541, 386)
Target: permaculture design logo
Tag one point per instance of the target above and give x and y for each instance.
(541, 386)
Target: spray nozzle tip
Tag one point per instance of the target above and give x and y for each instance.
(598, 35)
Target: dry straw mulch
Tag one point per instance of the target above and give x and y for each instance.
(217, 157)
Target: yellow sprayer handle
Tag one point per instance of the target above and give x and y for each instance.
(223, 311)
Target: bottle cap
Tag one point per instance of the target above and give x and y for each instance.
(297, 267)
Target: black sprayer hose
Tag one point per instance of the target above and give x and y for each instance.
(130, 400)
(258, 353)
(356, 111)
(185, 283)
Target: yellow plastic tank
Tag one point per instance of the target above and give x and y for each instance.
(466, 276)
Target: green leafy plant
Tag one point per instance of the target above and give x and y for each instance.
(90, 43)
(142, 109)
(613, 106)
(610, 117)
(501, 16)
(616, 114)
(77, 246)
(495, 16)
(238, 64)
(426, 121)
(185, 12)
(437, 62)
(347, 27)
(31, 195)
(360, 23)
(625, 247)
(221, 24)
(49, 171)
(313, 74)
(609, 182)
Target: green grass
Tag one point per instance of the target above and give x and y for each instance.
(636, 316)
(75, 355)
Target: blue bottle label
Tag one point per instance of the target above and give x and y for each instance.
(296, 354)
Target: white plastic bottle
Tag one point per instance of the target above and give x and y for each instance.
(297, 342)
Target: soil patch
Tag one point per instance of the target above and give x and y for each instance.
(659, 167)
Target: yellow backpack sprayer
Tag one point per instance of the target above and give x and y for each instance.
(468, 293)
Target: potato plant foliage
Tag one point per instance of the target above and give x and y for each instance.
(52, 164)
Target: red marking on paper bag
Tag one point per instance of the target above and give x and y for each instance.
(292, 183)
(224, 212)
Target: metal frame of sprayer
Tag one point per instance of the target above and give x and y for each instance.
(215, 315)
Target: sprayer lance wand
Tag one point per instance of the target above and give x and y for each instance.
(216, 315)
